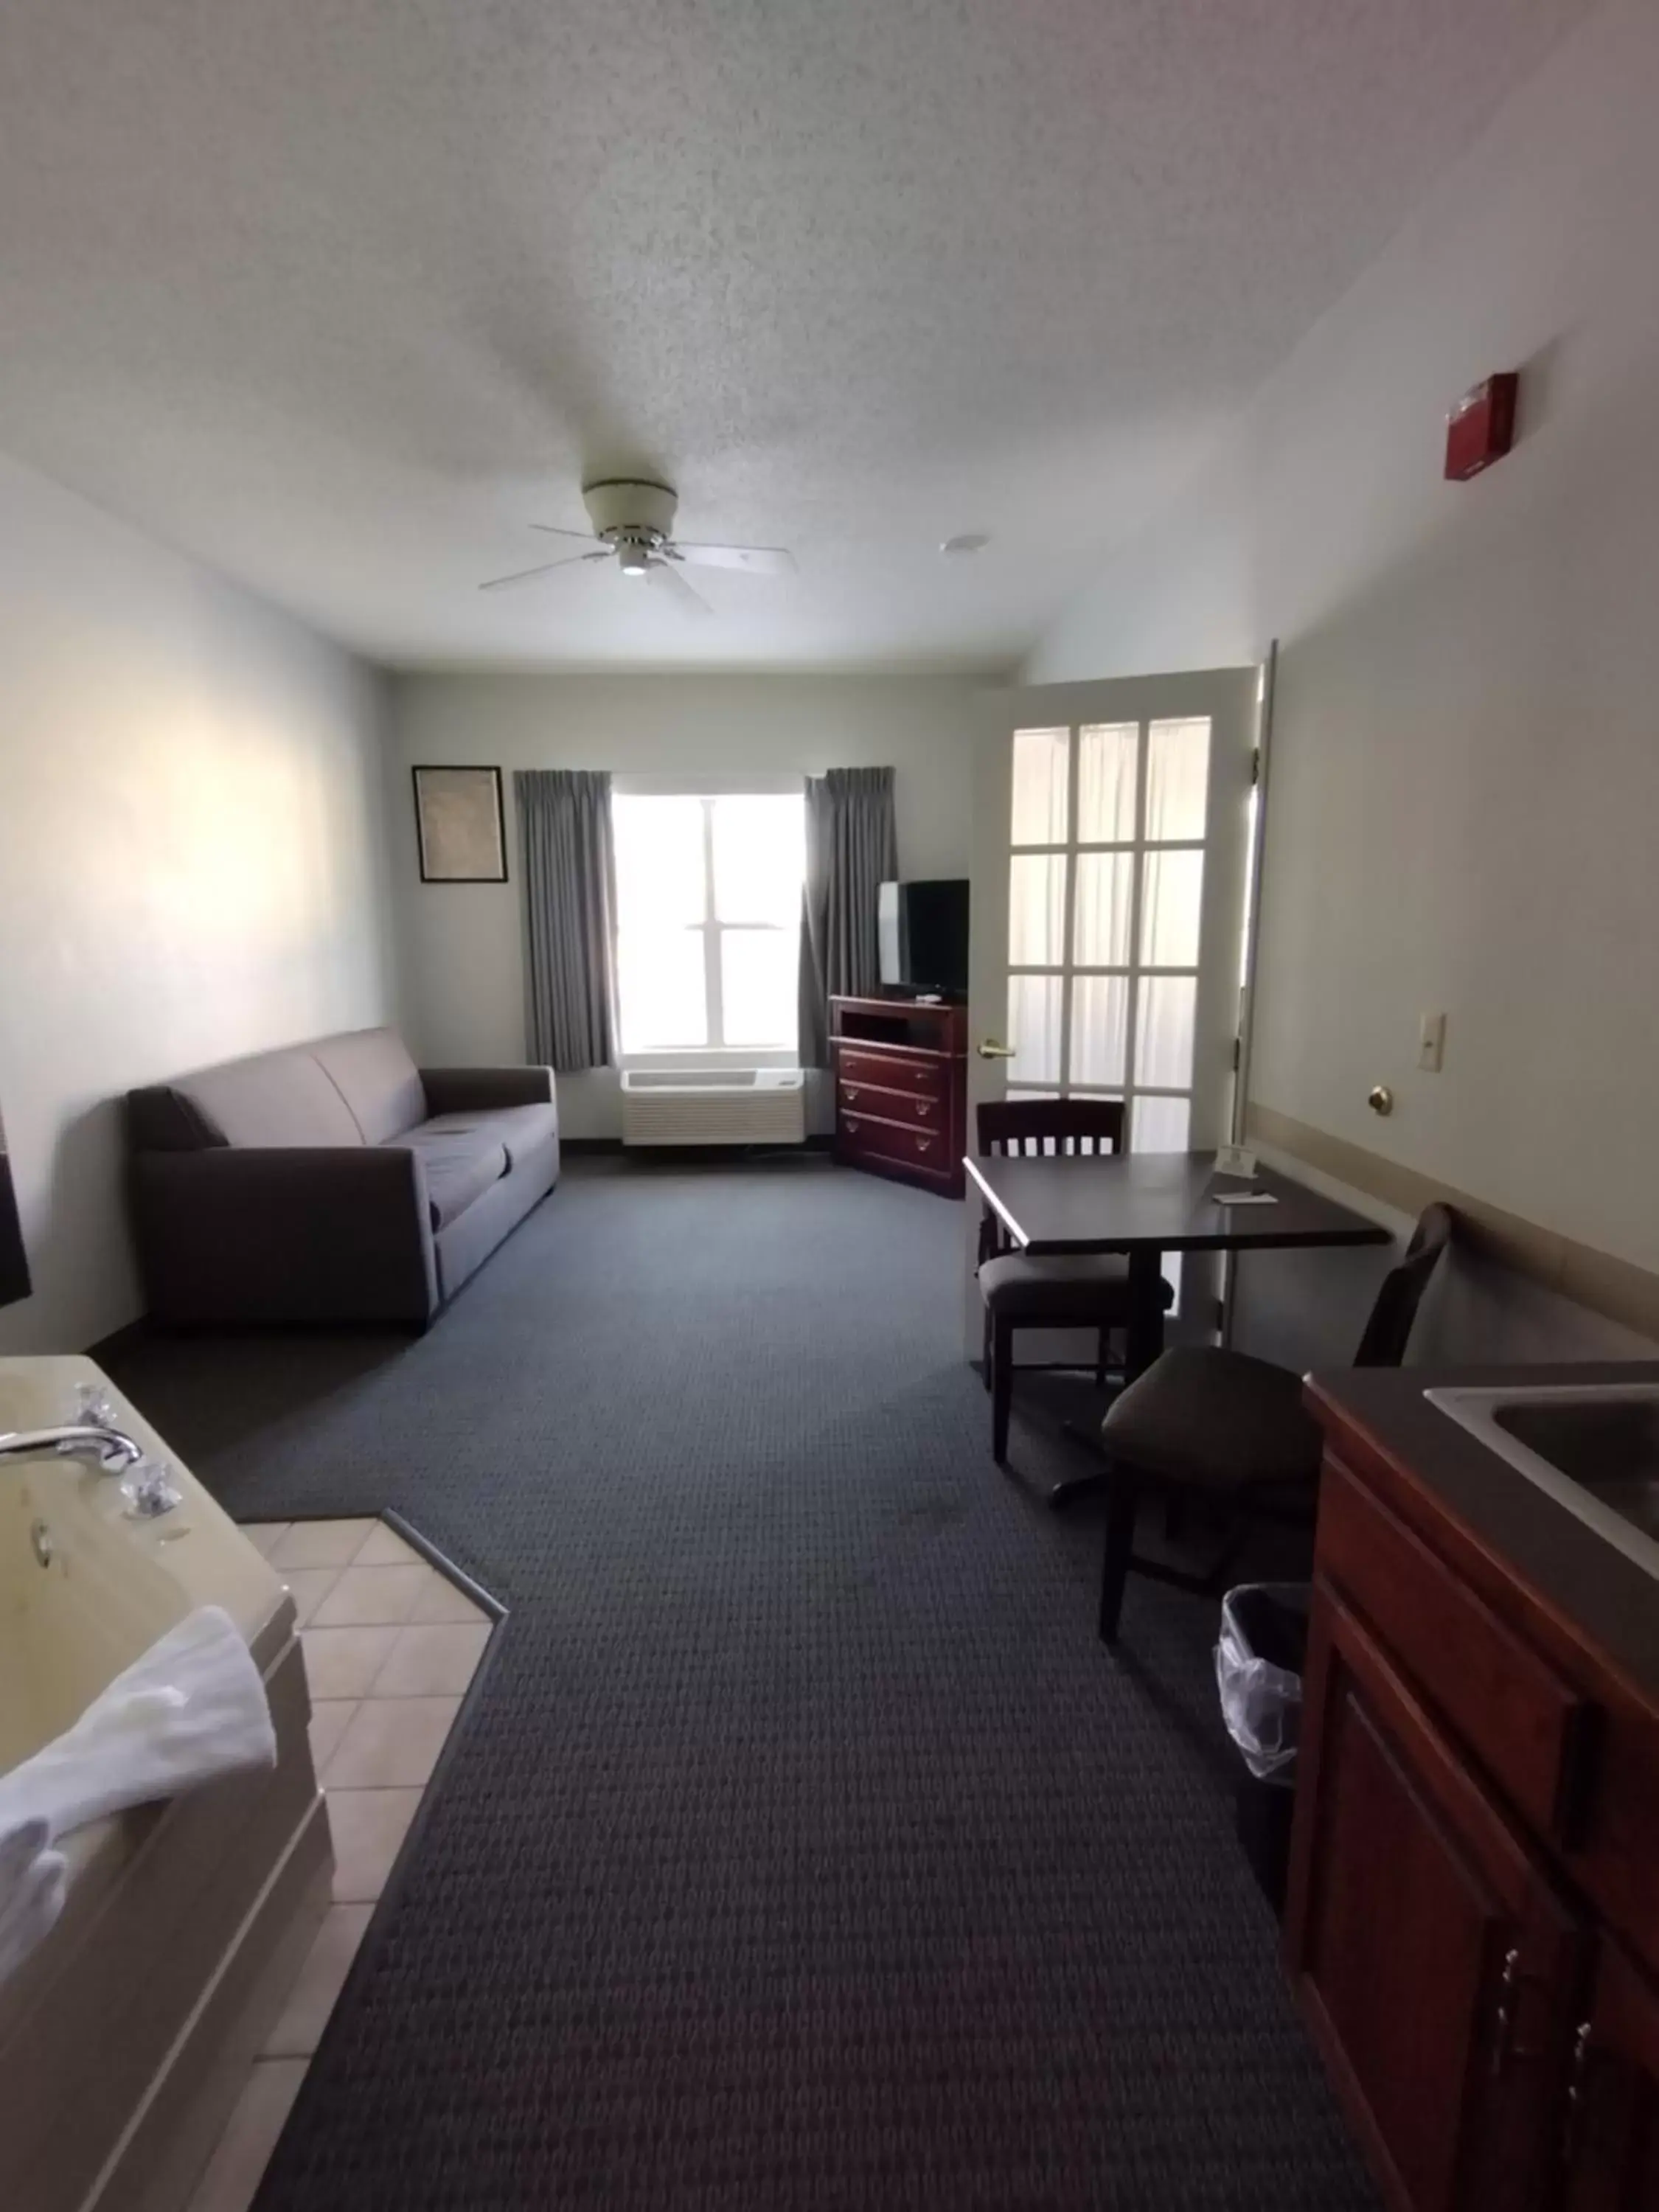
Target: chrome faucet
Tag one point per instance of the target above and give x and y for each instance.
(98, 1444)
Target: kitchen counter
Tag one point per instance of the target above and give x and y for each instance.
(1591, 1589)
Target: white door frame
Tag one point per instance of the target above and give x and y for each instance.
(1232, 698)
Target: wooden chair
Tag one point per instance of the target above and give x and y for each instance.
(1202, 1421)
(1084, 1291)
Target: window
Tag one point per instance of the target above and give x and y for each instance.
(708, 921)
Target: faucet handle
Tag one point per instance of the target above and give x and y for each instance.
(150, 1490)
(92, 1407)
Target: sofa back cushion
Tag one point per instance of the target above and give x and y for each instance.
(372, 1071)
(274, 1098)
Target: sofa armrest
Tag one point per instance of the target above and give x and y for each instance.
(482, 1089)
(306, 1233)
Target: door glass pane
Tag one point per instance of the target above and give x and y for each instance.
(1041, 760)
(759, 859)
(1100, 1029)
(1177, 779)
(1171, 896)
(660, 986)
(1105, 887)
(1160, 1125)
(759, 985)
(1034, 1028)
(1037, 909)
(1164, 1031)
(1106, 782)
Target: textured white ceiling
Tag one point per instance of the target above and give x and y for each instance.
(340, 294)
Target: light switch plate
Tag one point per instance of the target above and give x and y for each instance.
(1431, 1043)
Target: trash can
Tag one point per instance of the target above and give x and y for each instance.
(1258, 1669)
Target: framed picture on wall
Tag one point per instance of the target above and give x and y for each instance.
(460, 825)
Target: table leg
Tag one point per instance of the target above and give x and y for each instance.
(1145, 1330)
(1144, 1335)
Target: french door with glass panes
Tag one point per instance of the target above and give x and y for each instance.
(1112, 837)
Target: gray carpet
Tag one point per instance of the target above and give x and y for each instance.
(803, 1847)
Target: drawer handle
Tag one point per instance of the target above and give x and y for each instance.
(924, 1143)
(852, 1122)
(924, 1105)
(851, 1091)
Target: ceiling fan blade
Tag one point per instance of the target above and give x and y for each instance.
(755, 560)
(553, 530)
(669, 580)
(530, 576)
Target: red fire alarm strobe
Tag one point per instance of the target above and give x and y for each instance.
(1481, 429)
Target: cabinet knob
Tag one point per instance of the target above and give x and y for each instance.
(851, 1091)
(1506, 2051)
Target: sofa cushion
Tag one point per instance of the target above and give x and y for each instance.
(273, 1098)
(380, 1083)
(522, 1129)
(460, 1166)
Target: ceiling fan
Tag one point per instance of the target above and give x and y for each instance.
(632, 521)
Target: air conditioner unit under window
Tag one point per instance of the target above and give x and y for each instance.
(714, 1106)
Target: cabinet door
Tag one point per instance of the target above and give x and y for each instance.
(1435, 1963)
(1613, 2158)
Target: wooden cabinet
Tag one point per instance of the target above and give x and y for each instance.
(1611, 2150)
(1471, 1928)
(1437, 1960)
(901, 1073)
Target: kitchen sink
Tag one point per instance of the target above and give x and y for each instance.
(1594, 1446)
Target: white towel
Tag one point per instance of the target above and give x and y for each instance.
(191, 1709)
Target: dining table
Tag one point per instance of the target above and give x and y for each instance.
(1147, 1205)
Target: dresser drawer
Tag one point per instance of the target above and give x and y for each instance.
(862, 1136)
(1524, 1722)
(892, 1071)
(907, 1106)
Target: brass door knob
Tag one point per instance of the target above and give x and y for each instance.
(1380, 1098)
(992, 1048)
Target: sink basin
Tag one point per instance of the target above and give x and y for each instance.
(1595, 1447)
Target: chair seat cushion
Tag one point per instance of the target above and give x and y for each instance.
(1085, 1288)
(521, 1129)
(1220, 1420)
(460, 1166)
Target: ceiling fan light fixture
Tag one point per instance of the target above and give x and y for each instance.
(634, 559)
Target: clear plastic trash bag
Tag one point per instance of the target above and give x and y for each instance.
(1258, 1670)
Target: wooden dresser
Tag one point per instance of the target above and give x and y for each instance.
(1473, 1926)
(901, 1076)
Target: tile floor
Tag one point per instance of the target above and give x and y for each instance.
(391, 1645)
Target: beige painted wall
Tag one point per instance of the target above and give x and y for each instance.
(1465, 801)
(692, 732)
(193, 793)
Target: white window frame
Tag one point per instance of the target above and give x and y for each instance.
(716, 1051)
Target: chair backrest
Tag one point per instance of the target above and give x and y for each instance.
(1389, 1330)
(1033, 1127)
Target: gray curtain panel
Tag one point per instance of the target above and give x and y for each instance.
(852, 847)
(570, 898)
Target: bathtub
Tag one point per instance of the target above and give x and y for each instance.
(125, 2036)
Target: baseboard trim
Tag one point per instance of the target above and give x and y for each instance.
(1617, 1289)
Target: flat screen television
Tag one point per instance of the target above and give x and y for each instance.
(923, 928)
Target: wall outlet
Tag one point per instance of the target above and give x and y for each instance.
(1431, 1043)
